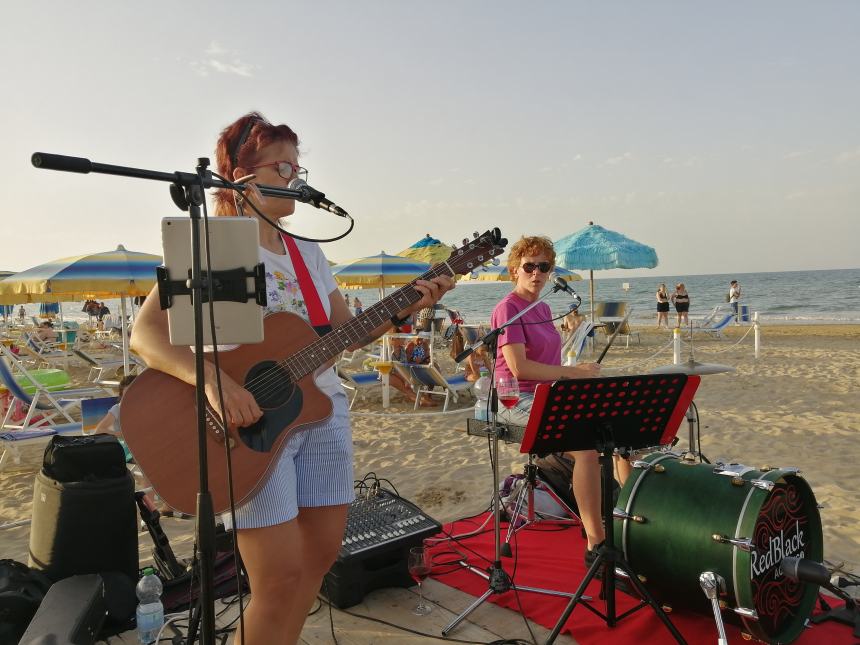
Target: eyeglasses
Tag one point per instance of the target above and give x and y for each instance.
(286, 169)
(544, 267)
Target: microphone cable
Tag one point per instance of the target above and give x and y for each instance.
(277, 227)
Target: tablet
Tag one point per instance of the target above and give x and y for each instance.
(234, 243)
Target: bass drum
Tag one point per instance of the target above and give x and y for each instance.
(681, 519)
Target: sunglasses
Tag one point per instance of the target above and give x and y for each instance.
(544, 267)
(286, 169)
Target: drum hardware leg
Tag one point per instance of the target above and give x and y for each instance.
(744, 544)
(710, 584)
(694, 432)
(609, 558)
(525, 497)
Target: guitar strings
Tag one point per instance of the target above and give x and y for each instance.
(269, 380)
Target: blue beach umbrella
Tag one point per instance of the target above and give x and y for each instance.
(378, 271)
(595, 248)
(49, 309)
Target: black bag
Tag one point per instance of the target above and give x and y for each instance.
(21, 592)
(80, 459)
(72, 613)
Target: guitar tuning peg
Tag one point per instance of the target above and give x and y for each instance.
(474, 275)
(465, 240)
(475, 235)
(496, 262)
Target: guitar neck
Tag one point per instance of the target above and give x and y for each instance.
(357, 329)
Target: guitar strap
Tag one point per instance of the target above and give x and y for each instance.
(316, 313)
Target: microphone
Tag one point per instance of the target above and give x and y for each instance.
(805, 570)
(313, 196)
(560, 284)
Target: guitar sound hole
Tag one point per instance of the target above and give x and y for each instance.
(270, 384)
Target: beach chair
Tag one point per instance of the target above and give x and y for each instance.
(41, 352)
(47, 413)
(716, 330)
(358, 382)
(577, 340)
(611, 315)
(425, 378)
(98, 366)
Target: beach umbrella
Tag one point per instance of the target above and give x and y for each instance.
(110, 274)
(500, 274)
(596, 248)
(379, 271)
(427, 249)
(49, 309)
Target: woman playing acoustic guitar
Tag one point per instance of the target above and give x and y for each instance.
(290, 530)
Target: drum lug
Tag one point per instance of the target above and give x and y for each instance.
(647, 465)
(764, 484)
(621, 514)
(744, 544)
(791, 470)
(746, 613)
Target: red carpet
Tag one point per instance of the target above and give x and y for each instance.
(548, 558)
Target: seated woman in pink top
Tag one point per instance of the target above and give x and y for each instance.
(530, 350)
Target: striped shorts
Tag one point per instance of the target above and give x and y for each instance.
(313, 469)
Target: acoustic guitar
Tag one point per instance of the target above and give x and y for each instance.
(159, 416)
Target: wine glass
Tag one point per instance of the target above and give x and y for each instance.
(508, 391)
(419, 568)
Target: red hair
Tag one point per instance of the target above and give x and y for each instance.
(534, 245)
(235, 151)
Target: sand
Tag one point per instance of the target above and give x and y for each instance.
(796, 405)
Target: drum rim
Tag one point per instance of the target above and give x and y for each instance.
(807, 601)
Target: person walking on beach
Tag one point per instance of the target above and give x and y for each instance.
(346, 300)
(356, 303)
(304, 499)
(681, 300)
(662, 305)
(531, 352)
(734, 297)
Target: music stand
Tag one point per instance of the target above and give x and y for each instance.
(628, 412)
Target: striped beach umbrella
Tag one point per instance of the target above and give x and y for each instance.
(596, 248)
(500, 274)
(427, 249)
(111, 274)
(379, 271)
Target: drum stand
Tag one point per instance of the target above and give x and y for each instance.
(526, 497)
(693, 431)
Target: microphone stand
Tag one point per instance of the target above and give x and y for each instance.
(187, 191)
(498, 579)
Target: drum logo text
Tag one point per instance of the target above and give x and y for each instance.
(779, 546)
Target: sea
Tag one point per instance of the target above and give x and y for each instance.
(785, 297)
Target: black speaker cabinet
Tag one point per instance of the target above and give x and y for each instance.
(84, 527)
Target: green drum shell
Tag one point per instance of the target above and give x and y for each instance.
(684, 507)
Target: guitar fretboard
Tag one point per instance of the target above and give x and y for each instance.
(357, 329)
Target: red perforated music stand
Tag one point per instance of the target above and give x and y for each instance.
(642, 411)
(604, 414)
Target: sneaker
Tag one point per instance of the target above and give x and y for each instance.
(590, 556)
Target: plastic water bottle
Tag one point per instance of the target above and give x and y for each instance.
(150, 611)
(571, 357)
(482, 391)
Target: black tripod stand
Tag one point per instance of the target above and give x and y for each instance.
(602, 414)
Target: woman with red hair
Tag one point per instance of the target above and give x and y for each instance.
(290, 531)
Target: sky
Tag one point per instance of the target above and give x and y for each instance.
(725, 135)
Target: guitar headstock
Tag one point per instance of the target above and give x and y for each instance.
(477, 252)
